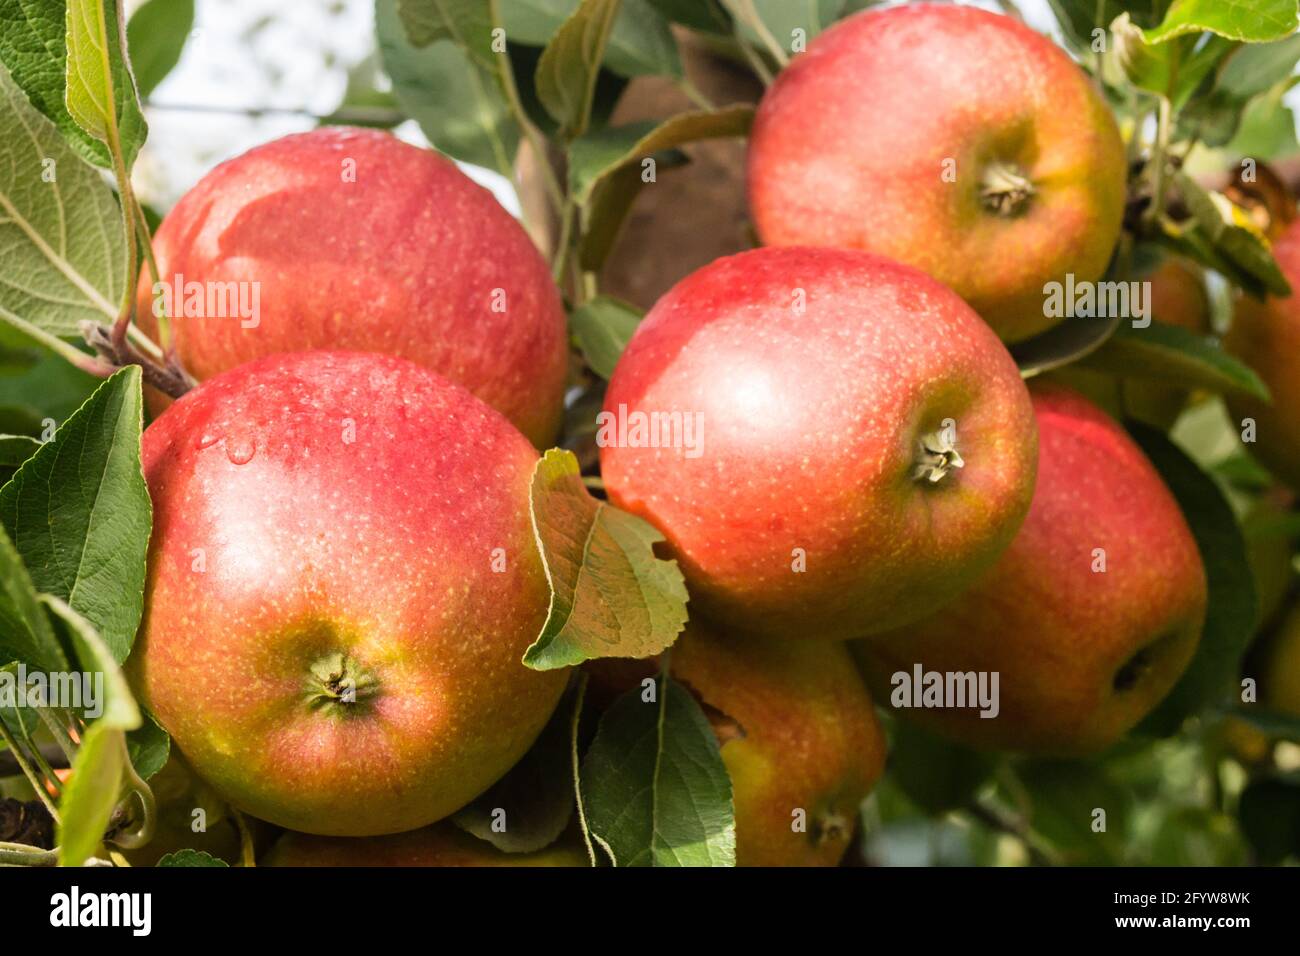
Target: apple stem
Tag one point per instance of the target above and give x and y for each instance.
(1005, 189)
(338, 682)
(937, 454)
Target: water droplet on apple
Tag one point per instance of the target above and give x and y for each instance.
(240, 451)
(206, 440)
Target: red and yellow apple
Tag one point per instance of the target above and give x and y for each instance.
(1266, 336)
(351, 239)
(342, 581)
(1089, 617)
(833, 444)
(955, 140)
(798, 733)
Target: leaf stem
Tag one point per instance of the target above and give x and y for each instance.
(692, 93)
(20, 854)
(139, 788)
(579, 697)
(1159, 159)
(750, 14)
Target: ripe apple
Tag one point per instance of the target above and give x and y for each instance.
(342, 580)
(799, 737)
(955, 140)
(1266, 336)
(1081, 653)
(351, 239)
(443, 844)
(856, 446)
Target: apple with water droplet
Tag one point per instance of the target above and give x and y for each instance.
(342, 582)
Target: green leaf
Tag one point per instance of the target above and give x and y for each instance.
(654, 787)
(598, 154)
(605, 174)
(610, 595)
(92, 656)
(936, 774)
(1062, 796)
(640, 42)
(603, 326)
(33, 48)
(155, 38)
(1079, 18)
(99, 767)
(457, 102)
(78, 512)
(528, 808)
(1227, 229)
(1231, 609)
(191, 858)
(708, 16)
(1250, 74)
(781, 18)
(60, 231)
(148, 746)
(1065, 342)
(468, 23)
(25, 632)
(1254, 22)
(16, 449)
(92, 792)
(51, 389)
(611, 203)
(1267, 129)
(1170, 353)
(566, 73)
(100, 93)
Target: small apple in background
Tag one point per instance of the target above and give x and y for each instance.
(955, 140)
(351, 239)
(798, 732)
(1266, 336)
(443, 844)
(1082, 653)
(342, 581)
(862, 447)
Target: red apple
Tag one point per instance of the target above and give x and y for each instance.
(1089, 617)
(351, 239)
(958, 141)
(342, 581)
(856, 446)
(1266, 335)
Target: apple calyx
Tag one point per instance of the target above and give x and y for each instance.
(831, 826)
(338, 683)
(1005, 189)
(937, 454)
